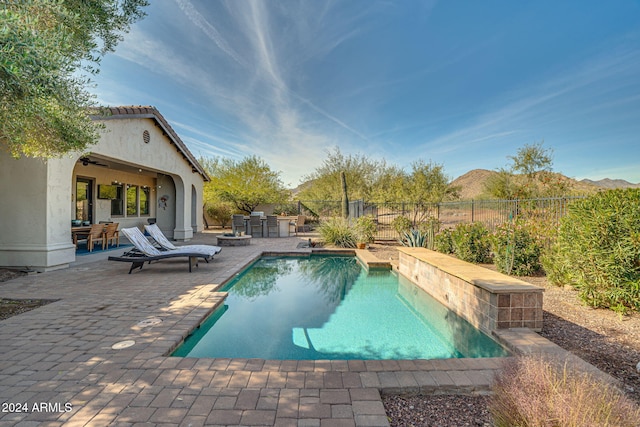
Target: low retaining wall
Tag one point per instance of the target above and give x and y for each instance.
(487, 299)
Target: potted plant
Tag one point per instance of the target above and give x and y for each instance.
(365, 230)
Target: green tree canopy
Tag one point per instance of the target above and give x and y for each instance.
(531, 159)
(502, 185)
(324, 183)
(376, 181)
(244, 184)
(530, 175)
(48, 50)
(427, 183)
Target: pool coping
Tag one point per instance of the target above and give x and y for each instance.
(447, 376)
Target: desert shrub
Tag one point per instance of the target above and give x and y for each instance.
(531, 391)
(471, 242)
(401, 224)
(515, 250)
(598, 250)
(338, 232)
(365, 229)
(443, 241)
(219, 211)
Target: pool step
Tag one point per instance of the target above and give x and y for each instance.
(371, 261)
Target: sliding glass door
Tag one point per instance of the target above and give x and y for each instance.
(84, 199)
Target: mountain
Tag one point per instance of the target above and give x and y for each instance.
(473, 182)
(611, 183)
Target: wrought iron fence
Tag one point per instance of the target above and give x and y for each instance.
(491, 213)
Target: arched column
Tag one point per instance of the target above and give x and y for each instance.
(182, 230)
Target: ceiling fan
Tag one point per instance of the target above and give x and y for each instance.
(86, 161)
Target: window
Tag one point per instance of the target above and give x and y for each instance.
(132, 200)
(145, 196)
(116, 202)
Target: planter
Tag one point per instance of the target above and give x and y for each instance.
(361, 245)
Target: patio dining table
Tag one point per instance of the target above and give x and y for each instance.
(79, 231)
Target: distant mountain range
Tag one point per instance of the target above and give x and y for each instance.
(611, 183)
(472, 184)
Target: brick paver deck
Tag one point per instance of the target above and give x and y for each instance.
(58, 365)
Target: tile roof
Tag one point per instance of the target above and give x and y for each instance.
(149, 112)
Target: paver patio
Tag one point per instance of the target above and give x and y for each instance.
(58, 366)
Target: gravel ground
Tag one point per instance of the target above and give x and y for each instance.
(11, 307)
(7, 274)
(441, 411)
(601, 337)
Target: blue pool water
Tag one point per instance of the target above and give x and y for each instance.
(330, 307)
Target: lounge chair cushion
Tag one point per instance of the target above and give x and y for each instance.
(147, 252)
(162, 240)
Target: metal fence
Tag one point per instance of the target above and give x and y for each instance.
(491, 213)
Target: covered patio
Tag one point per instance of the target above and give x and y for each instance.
(139, 171)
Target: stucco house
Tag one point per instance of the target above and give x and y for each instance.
(140, 171)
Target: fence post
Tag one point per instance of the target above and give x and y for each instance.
(472, 210)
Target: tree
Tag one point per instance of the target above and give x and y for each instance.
(244, 184)
(390, 185)
(532, 159)
(424, 187)
(48, 48)
(376, 181)
(427, 183)
(530, 175)
(325, 183)
(501, 185)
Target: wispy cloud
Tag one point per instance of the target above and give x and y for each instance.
(279, 120)
(286, 79)
(531, 108)
(212, 33)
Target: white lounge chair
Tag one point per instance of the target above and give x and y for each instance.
(147, 252)
(157, 235)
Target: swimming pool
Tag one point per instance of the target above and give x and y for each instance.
(330, 307)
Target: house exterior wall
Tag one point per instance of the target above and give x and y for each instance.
(37, 196)
(126, 143)
(34, 230)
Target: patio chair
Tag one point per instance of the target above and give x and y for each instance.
(111, 234)
(272, 222)
(255, 223)
(237, 224)
(145, 251)
(93, 235)
(299, 224)
(164, 243)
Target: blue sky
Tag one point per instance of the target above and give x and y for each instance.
(461, 83)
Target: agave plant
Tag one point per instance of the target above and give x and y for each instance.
(416, 238)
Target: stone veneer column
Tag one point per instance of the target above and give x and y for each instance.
(487, 299)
